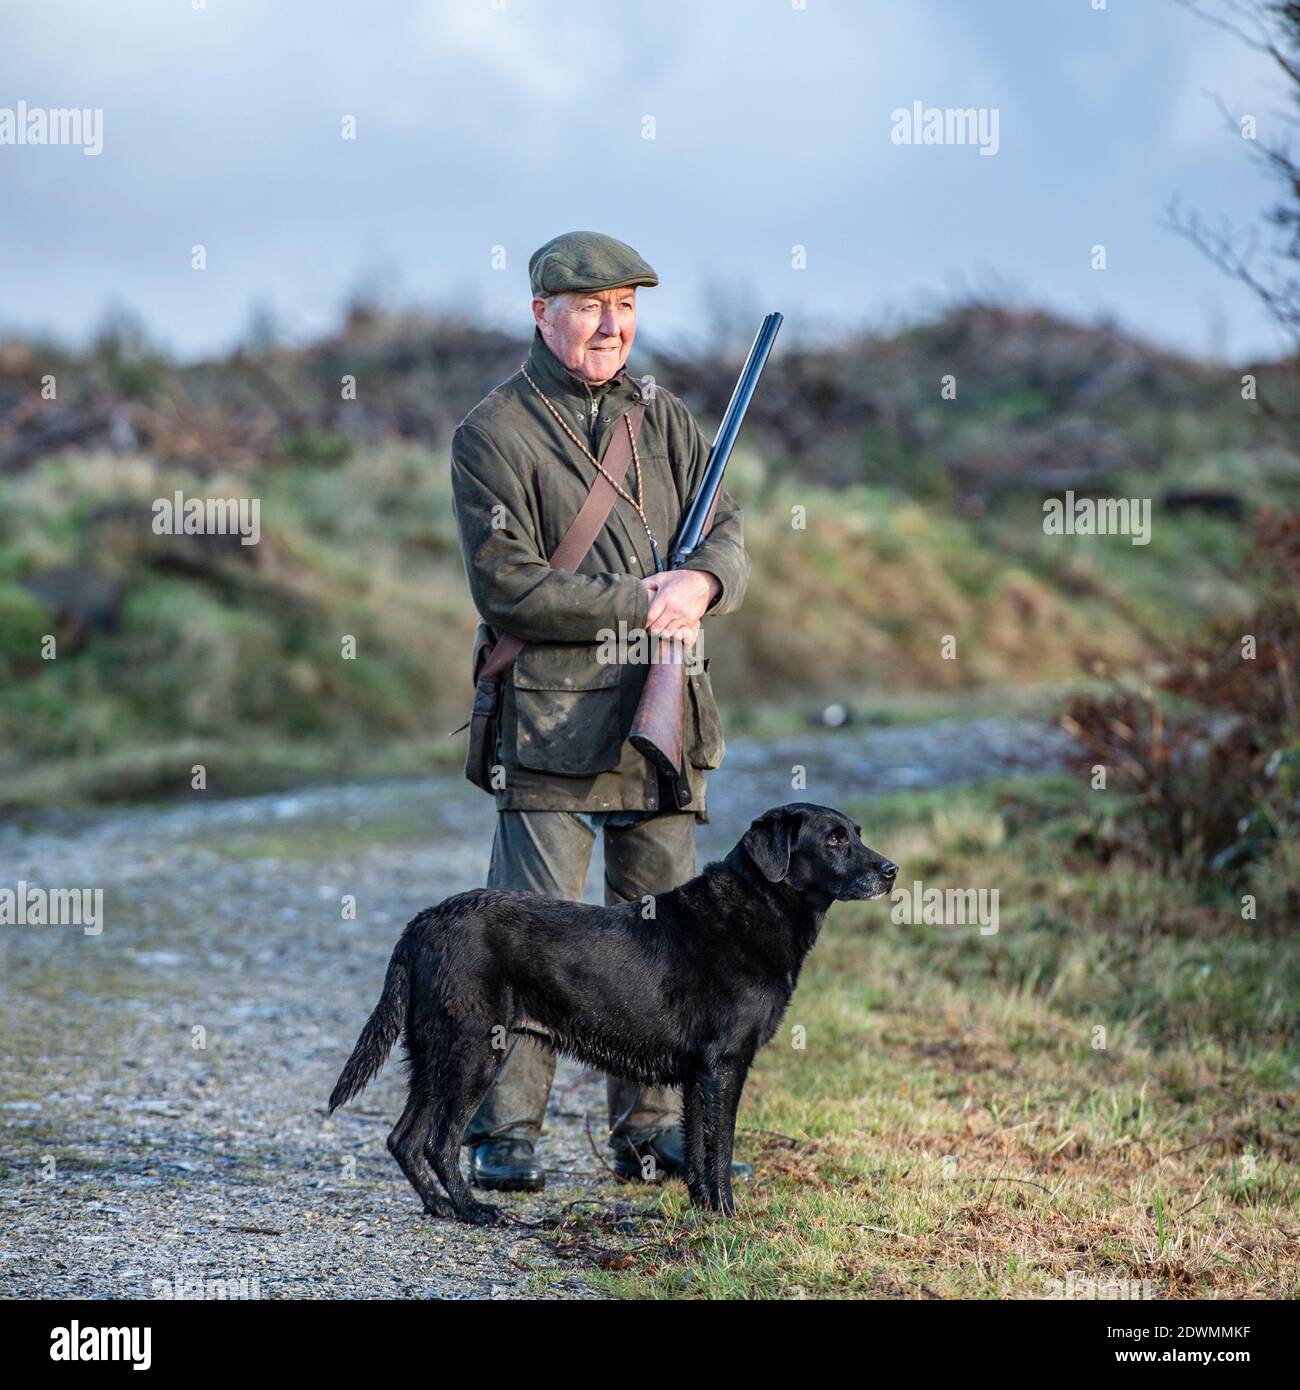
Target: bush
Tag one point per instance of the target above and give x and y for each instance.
(1217, 786)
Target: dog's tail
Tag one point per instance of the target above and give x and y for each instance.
(379, 1034)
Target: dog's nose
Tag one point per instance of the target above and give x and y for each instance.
(889, 869)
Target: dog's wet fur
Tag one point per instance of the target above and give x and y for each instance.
(684, 995)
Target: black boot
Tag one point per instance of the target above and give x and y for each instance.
(667, 1151)
(506, 1165)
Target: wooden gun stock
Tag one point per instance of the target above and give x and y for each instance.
(661, 718)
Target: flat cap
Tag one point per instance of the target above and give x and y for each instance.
(586, 261)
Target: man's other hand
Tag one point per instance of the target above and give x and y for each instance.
(678, 600)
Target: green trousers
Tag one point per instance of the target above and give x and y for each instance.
(549, 852)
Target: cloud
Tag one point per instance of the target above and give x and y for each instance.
(481, 126)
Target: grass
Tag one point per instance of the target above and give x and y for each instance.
(243, 651)
(1102, 1091)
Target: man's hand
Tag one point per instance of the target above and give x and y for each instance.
(678, 600)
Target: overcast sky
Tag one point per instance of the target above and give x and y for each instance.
(497, 123)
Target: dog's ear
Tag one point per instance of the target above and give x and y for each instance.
(768, 842)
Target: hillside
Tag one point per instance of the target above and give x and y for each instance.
(924, 520)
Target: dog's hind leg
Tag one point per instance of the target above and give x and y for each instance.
(470, 1066)
(406, 1144)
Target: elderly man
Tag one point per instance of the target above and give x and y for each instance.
(523, 462)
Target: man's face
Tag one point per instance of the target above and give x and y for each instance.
(591, 331)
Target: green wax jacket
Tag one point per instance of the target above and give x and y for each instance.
(518, 481)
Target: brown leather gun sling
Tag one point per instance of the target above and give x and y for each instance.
(581, 535)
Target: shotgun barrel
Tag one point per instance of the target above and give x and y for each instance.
(699, 514)
(657, 728)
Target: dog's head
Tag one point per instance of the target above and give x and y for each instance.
(817, 850)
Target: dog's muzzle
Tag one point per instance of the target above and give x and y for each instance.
(880, 880)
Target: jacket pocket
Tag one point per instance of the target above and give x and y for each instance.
(566, 711)
(706, 747)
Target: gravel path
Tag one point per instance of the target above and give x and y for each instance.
(162, 1084)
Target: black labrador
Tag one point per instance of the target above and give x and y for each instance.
(681, 990)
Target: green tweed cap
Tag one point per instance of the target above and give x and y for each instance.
(586, 261)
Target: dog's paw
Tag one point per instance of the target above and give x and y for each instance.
(439, 1207)
(484, 1214)
(713, 1202)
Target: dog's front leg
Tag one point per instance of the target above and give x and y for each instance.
(694, 1141)
(704, 1190)
(731, 1081)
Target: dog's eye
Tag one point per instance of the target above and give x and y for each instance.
(834, 840)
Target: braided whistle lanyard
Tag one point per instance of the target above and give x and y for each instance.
(617, 486)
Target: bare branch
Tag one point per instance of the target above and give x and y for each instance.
(1265, 43)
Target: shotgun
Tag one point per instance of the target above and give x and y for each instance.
(657, 728)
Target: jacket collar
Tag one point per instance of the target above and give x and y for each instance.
(560, 384)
